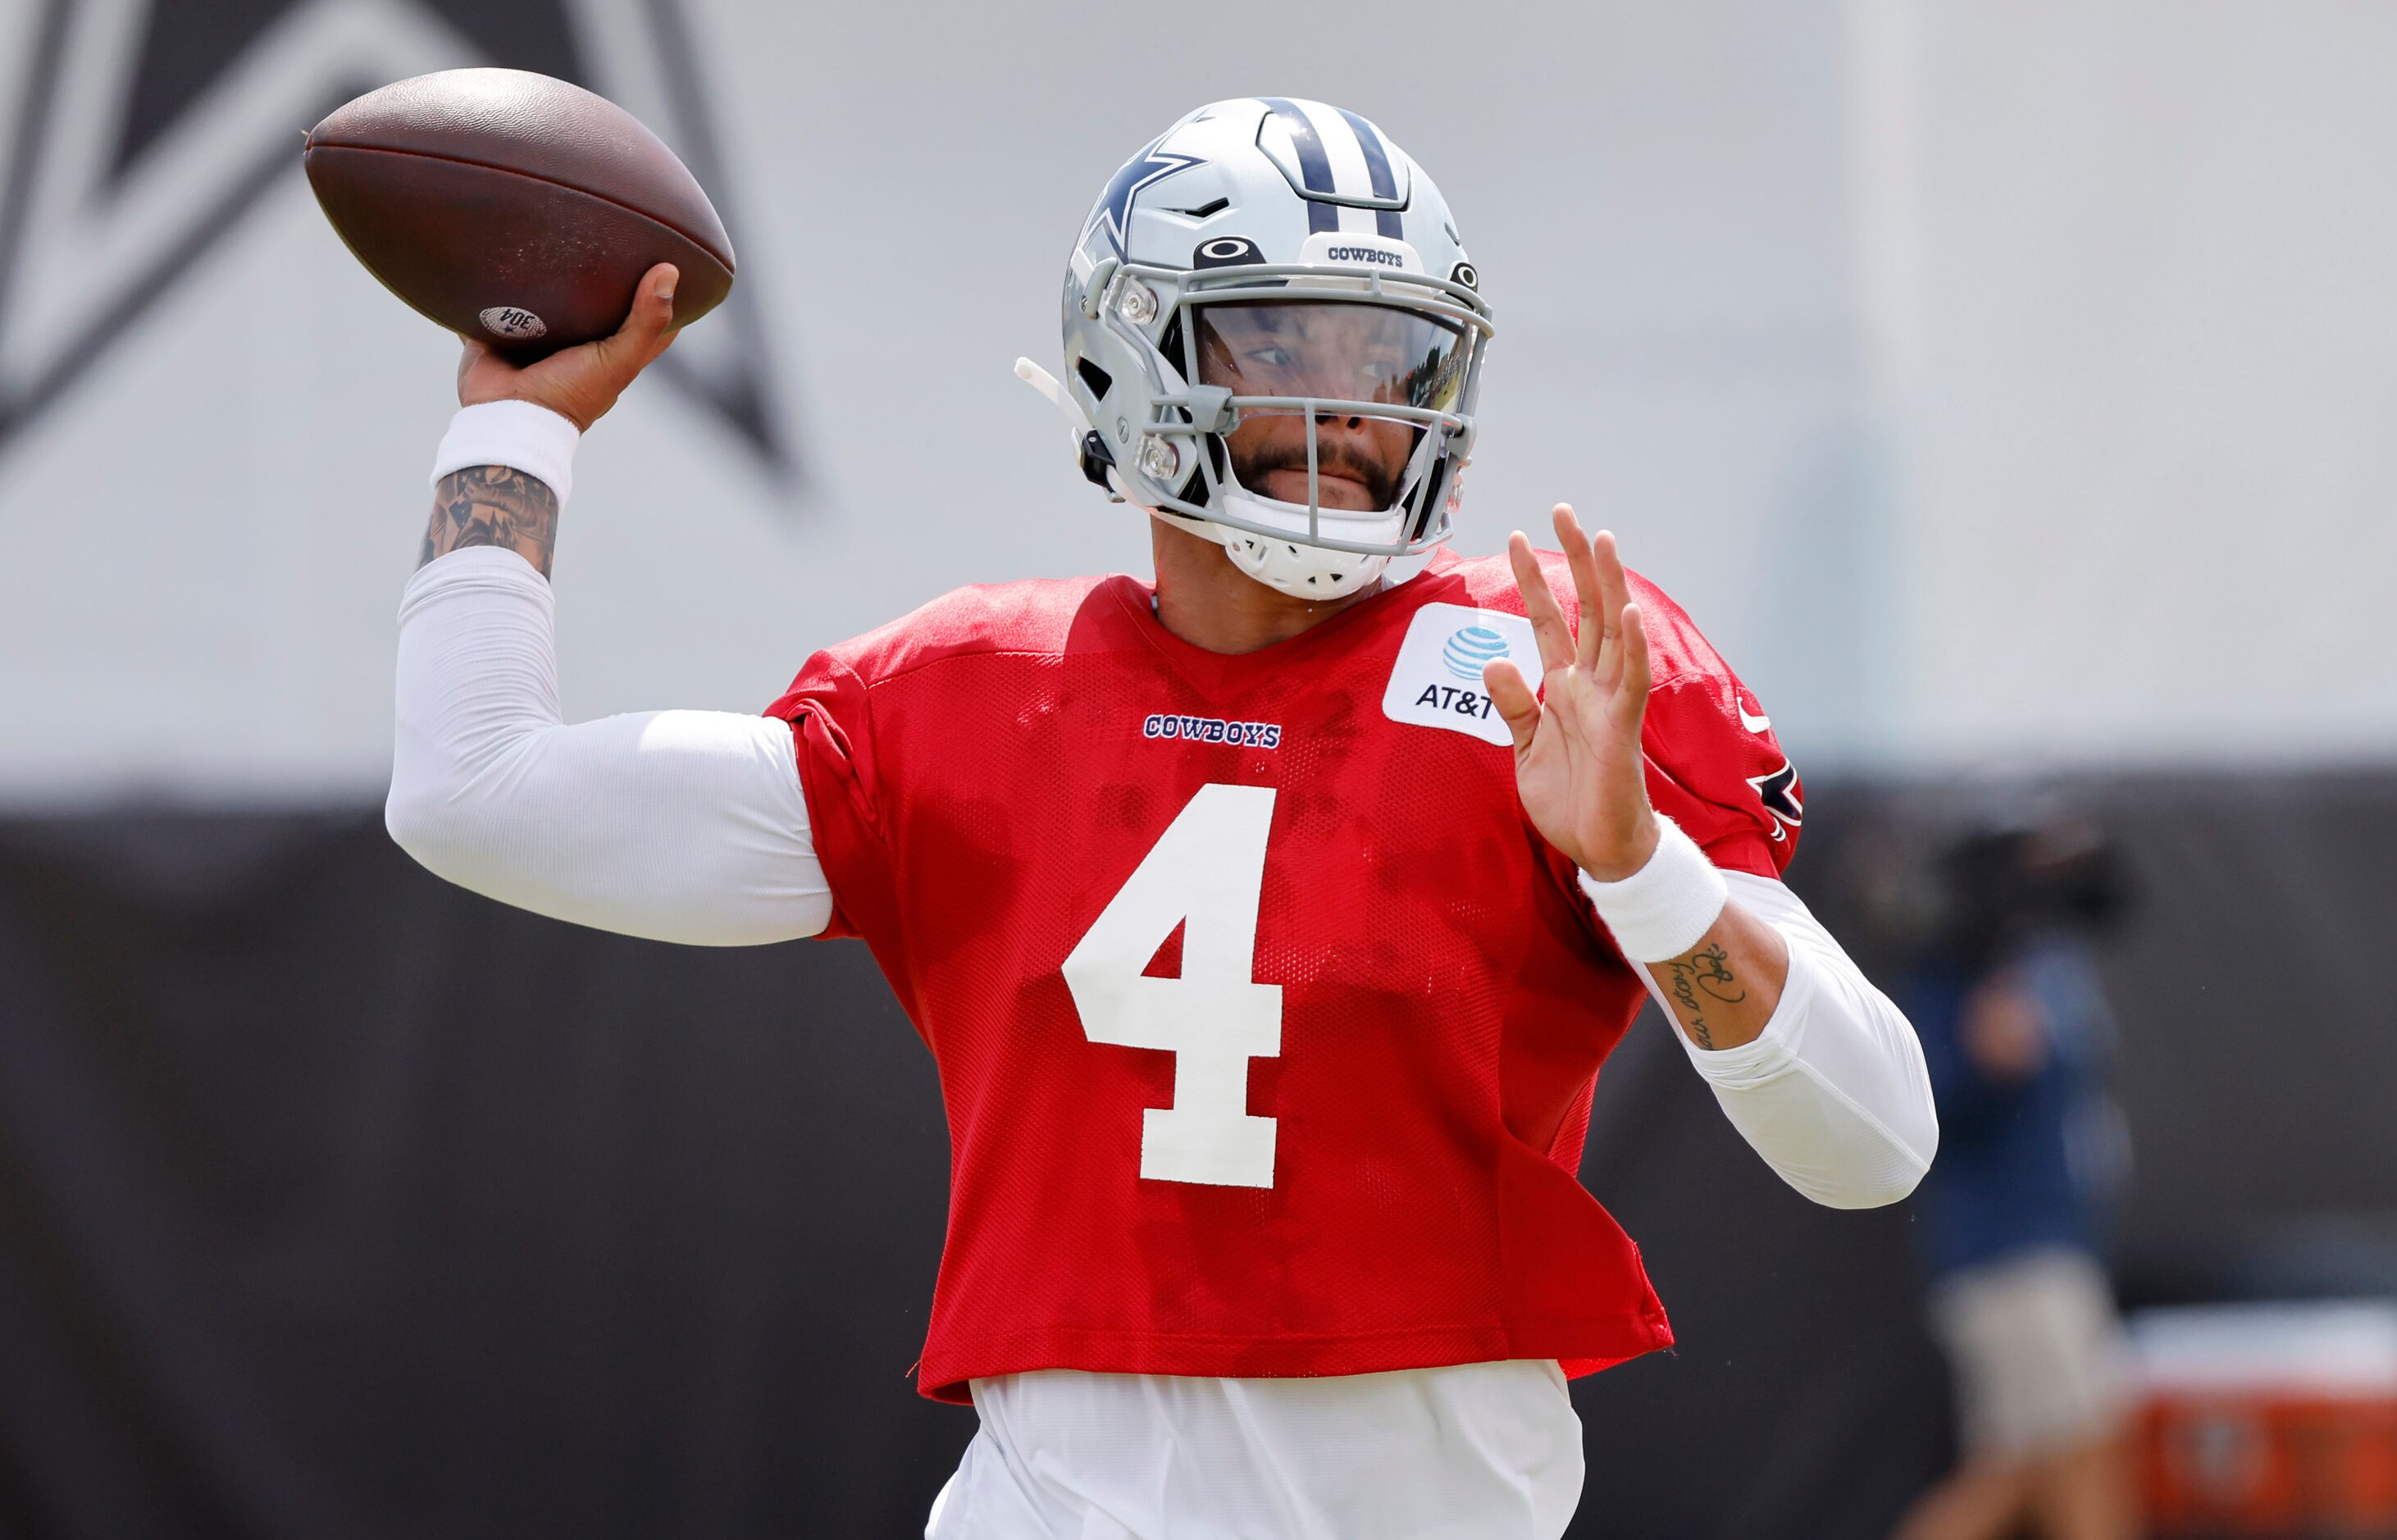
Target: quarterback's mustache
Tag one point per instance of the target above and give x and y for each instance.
(1331, 457)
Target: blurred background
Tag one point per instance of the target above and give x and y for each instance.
(2006, 389)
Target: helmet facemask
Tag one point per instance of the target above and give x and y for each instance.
(1329, 414)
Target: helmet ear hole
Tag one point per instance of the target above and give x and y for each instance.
(1099, 381)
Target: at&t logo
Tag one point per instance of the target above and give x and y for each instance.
(1469, 649)
(1436, 679)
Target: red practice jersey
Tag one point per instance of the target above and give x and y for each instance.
(1266, 1025)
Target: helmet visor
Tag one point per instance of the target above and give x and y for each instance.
(1332, 351)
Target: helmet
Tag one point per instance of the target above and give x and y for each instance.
(1278, 265)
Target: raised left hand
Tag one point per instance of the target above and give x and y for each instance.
(1578, 762)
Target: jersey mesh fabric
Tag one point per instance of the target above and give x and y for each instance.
(980, 787)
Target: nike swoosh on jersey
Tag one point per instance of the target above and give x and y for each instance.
(1753, 724)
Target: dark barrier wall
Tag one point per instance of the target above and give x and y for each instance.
(334, 1200)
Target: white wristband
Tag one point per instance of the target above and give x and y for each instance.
(1661, 910)
(515, 434)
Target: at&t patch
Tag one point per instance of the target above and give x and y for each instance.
(1437, 681)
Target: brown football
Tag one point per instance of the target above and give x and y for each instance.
(513, 207)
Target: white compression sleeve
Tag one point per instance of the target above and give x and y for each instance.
(678, 825)
(1833, 1093)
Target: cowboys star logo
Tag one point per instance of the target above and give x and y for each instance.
(141, 131)
(1778, 792)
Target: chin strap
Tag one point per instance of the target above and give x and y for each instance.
(1047, 384)
(1090, 450)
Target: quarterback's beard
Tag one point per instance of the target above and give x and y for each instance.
(1348, 476)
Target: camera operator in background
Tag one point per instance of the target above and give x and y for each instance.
(2017, 1036)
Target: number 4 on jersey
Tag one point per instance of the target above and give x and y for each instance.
(1206, 873)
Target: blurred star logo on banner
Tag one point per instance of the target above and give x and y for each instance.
(134, 134)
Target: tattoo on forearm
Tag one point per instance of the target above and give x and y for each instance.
(1702, 979)
(493, 506)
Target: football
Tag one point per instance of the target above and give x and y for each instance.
(513, 207)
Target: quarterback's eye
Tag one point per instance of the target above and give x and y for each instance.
(1334, 352)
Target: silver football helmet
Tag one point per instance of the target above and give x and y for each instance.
(1275, 270)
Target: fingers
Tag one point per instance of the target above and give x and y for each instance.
(647, 328)
(582, 382)
(1613, 588)
(1518, 708)
(1601, 590)
(1548, 618)
(471, 359)
(1576, 548)
(1631, 701)
(1613, 591)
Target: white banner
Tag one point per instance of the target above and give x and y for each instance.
(2152, 318)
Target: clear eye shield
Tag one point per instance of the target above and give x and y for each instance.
(1308, 349)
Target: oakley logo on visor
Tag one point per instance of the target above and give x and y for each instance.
(1225, 251)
